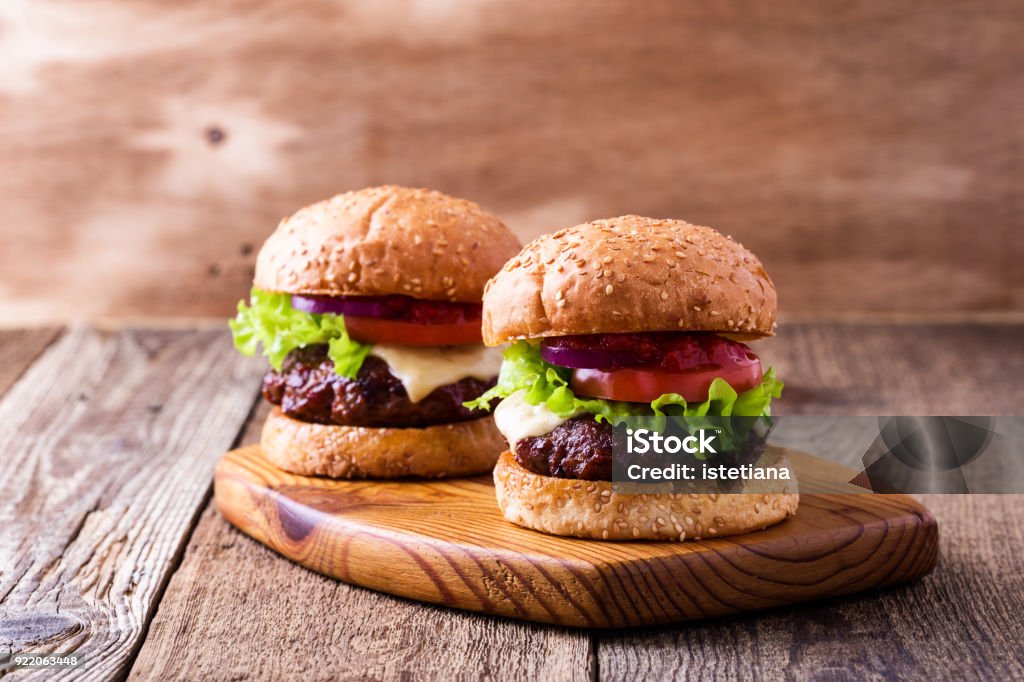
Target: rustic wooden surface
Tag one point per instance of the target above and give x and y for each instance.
(446, 542)
(228, 607)
(868, 151)
(108, 442)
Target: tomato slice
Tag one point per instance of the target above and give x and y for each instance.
(645, 385)
(377, 330)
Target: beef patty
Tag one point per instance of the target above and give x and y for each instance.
(581, 448)
(308, 389)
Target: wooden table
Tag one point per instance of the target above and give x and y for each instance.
(110, 546)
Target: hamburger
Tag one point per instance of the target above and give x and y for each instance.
(367, 306)
(620, 318)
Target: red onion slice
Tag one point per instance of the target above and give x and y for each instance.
(667, 351)
(320, 305)
(390, 307)
(579, 358)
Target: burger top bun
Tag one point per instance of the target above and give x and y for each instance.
(630, 274)
(386, 240)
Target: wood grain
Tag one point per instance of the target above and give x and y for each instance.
(109, 442)
(446, 542)
(18, 348)
(961, 623)
(296, 624)
(867, 151)
(875, 368)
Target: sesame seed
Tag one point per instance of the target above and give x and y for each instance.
(697, 308)
(352, 276)
(715, 313)
(609, 289)
(664, 295)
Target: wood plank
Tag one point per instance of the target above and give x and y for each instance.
(446, 542)
(18, 348)
(963, 621)
(296, 624)
(872, 368)
(867, 151)
(109, 442)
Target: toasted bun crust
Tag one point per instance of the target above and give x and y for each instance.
(458, 449)
(589, 509)
(630, 274)
(386, 240)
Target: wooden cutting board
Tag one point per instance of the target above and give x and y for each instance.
(445, 542)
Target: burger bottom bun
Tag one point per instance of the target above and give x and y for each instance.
(590, 509)
(458, 449)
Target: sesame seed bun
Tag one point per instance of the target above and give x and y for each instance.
(459, 449)
(591, 509)
(630, 274)
(386, 240)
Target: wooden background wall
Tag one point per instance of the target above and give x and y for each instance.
(872, 152)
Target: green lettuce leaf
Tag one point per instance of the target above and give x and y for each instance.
(524, 369)
(269, 320)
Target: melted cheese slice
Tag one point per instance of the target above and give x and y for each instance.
(422, 369)
(518, 419)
